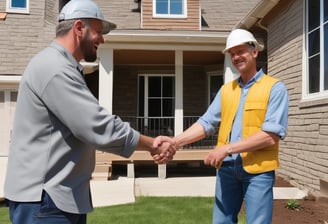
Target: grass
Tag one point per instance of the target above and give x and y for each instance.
(159, 210)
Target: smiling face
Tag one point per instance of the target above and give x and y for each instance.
(243, 58)
(91, 40)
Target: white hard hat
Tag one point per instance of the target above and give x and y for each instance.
(239, 37)
(84, 9)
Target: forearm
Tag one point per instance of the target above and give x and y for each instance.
(194, 133)
(145, 144)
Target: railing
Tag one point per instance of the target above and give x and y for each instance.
(154, 126)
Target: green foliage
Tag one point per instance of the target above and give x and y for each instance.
(293, 204)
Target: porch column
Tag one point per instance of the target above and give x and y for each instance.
(230, 72)
(105, 93)
(178, 122)
(106, 78)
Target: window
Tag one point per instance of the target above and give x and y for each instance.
(316, 84)
(18, 6)
(170, 8)
(157, 104)
(215, 81)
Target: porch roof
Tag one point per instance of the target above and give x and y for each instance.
(172, 40)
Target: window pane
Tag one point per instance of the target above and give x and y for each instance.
(154, 108)
(141, 95)
(168, 87)
(154, 87)
(176, 7)
(162, 7)
(18, 3)
(314, 42)
(314, 14)
(314, 74)
(325, 10)
(325, 55)
(216, 82)
(168, 105)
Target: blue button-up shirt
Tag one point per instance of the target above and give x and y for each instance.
(275, 119)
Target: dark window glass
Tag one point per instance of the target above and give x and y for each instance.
(168, 87)
(154, 88)
(168, 107)
(162, 7)
(216, 82)
(154, 109)
(141, 95)
(325, 5)
(314, 74)
(314, 14)
(314, 42)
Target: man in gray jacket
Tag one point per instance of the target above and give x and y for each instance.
(59, 123)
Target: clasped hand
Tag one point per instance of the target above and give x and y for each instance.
(164, 149)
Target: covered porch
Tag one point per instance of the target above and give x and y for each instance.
(160, 83)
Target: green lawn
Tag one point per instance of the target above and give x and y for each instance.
(159, 210)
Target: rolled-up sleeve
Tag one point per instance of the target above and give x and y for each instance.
(276, 118)
(212, 117)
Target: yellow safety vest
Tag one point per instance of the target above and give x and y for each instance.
(255, 108)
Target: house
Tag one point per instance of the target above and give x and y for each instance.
(163, 64)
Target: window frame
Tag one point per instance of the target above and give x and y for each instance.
(219, 74)
(171, 16)
(321, 94)
(20, 10)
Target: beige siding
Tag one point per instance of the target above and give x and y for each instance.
(303, 154)
(23, 35)
(190, 23)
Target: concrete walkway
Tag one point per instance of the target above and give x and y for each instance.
(124, 190)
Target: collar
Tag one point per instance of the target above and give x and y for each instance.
(67, 55)
(255, 78)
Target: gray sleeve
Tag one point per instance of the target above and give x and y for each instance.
(72, 103)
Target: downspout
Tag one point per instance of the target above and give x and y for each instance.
(253, 17)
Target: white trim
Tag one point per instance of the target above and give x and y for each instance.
(304, 55)
(17, 10)
(171, 16)
(10, 78)
(322, 94)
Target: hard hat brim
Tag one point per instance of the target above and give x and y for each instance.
(259, 46)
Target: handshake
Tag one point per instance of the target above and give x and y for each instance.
(163, 149)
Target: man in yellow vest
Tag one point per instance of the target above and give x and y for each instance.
(252, 114)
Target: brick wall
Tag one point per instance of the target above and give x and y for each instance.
(303, 153)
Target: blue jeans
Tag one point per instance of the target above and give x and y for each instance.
(42, 212)
(233, 186)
